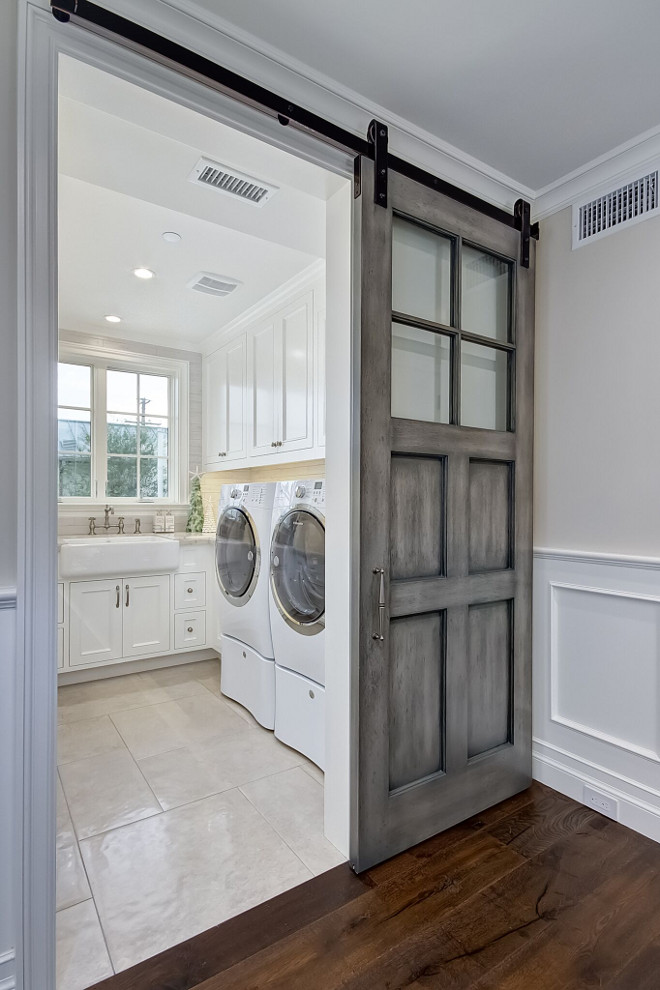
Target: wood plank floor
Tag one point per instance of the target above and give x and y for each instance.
(537, 893)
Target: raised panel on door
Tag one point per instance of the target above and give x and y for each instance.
(262, 389)
(296, 396)
(236, 374)
(95, 621)
(446, 427)
(146, 610)
(215, 409)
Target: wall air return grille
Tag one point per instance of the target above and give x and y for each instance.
(231, 182)
(213, 285)
(629, 203)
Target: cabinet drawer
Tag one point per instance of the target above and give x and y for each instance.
(189, 630)
(60, 603)
(190, 590)
(60, 649)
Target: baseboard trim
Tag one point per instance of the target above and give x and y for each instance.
(634, 812)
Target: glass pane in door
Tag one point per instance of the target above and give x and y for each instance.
(485, 289)
(484, 386)
(421, 272)
(421, 361)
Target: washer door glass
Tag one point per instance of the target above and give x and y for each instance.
(235, 553)
(298, 566)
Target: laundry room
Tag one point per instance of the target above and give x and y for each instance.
(202, 629)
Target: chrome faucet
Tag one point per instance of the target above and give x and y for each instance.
(120, 525)
(109, 511)
(137, 526)
(92, 526)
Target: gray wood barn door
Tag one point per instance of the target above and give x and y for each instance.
(443, 687)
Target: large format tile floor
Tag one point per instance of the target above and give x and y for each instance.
(176, 811)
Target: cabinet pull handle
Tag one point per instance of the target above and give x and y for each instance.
(380, 573)
(273, 443)
(128, 596)
(117, 603)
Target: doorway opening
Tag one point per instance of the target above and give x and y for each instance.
(202, 628)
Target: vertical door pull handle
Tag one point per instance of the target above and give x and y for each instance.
(380, 574)
(128, 596)
(118, 601)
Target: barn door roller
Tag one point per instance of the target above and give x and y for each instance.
(377, 138)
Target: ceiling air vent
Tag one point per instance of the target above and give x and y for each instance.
(231, 182)
(629, 203)
(213, 285)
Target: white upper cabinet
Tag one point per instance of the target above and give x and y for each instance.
(225, 421)
(265, 389)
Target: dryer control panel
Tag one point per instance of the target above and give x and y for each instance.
(309, 492)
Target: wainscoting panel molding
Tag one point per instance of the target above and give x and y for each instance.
(597, 680)
(7, 788)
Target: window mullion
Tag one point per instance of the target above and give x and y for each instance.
(99, 417)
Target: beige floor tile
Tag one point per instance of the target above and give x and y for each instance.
(176, 724)
(88, 737)
(292, 802)
(171, 683)
(312, 769)
(71, 880)
(101, 697)
(160, 881)
(208, 674)
(82, 957)
(106, 791)
(186, 775)
(242, 712)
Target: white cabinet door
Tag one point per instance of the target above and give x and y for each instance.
(146, 608)
(95, 621)
(319, 378)
(262, 384)
(296, 382)
(225, 404)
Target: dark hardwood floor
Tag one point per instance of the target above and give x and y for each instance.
(537, 893)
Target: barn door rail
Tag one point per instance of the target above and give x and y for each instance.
(374, 146)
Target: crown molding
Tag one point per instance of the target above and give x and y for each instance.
(279, 297)
(607, 169)
(211, 35)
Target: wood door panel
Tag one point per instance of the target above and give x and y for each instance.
(417, 695)
(491, 512)
(417, 514)
(489, 676)
(428, 594)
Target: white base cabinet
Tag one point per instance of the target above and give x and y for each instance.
(118, 618)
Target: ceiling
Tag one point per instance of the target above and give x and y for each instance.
(124, 158)
(532, 88)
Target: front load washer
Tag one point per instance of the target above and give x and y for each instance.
(297, 615)
(247, 673)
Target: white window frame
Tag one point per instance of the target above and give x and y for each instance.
(102, 359)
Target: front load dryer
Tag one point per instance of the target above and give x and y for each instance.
(297, 613)
(241, 564)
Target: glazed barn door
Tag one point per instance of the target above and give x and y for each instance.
(443, 707)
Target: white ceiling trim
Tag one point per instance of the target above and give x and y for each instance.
(254, 58)
(608, 169)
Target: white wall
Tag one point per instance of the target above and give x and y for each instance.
(597, 519)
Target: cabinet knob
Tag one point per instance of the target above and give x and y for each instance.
(190, 591)
(190, 628)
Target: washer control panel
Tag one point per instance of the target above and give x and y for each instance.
(310, 493)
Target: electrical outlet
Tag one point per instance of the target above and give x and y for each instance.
(603, 803)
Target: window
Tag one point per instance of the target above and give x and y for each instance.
(117, 431)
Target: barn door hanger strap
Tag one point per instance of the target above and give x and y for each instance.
(377, 138)
(521, 213)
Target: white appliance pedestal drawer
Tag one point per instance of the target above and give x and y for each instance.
(189, 630)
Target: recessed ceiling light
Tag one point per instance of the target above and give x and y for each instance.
(143, 273)
(112, 319)
(171, 236)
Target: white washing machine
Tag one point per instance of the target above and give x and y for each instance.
(247, 673)
(297, 615)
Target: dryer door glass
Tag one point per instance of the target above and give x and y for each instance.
(298, 566)
(235, 553)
